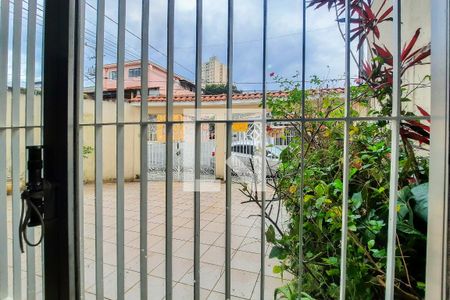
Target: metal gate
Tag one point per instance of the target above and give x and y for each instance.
(144, 286)
(133, 236)
(21, 26)
(157, 160)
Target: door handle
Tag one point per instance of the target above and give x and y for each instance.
(32, 213)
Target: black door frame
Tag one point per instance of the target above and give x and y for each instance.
(59, 154)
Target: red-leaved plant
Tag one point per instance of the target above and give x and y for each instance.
(377, 73)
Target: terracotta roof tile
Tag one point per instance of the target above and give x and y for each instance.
(223, 97)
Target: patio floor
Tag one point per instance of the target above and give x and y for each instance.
(245, 264)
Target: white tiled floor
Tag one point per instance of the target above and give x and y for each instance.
(245, 244)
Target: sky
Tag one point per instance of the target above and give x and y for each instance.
(324, 44)
(325, 47)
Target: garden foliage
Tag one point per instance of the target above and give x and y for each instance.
(316, 180)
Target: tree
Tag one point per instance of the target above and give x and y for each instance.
(221, 88)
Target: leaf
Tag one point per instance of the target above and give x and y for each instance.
(277, 252)
(332, 272)
(292, 189)
(418, 59)
(307, 198)
(370, 244)
(356, 200)
(409, 230)
(402, 204)
(414, 136)
(385, 14)
(352, 172)
(277, 269)
(410, 45)
(423, 111)
(418, 124)
(379, 253)
(321, 189)
(338, 184)
(305, 296)
(420, 196)
(270, 234)
(384, 53)
(284, 290)
(331, 260)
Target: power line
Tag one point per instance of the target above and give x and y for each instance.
(259, 40)
(139, 38)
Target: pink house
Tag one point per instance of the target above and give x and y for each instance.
(156, 81)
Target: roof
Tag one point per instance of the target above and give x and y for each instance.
(223, 97)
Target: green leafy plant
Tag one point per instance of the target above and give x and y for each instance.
(322, 203)
(87, 150)
(318, 176)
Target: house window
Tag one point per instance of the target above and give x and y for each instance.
(113, 75)
(154, 91)
(136, 72)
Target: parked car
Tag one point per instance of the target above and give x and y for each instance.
(243, 155)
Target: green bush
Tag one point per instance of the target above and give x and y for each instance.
(369, 171)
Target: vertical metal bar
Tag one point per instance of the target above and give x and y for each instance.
(437, 229)
(302, 147)
(263, 157)
(70, 219)
(15, 147)
(198, 103)
(395, 132)
(144, 148)
(345, 175)
(4, 33)
(41, 123)
(29, 132)
(99, 47)
(169, 145)
(79, 144)
(229, 133)
(120, 139)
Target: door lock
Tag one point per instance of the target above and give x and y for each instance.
(33, 197)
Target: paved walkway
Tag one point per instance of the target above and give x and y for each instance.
(245, 273)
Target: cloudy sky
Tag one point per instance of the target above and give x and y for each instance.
(325, 47)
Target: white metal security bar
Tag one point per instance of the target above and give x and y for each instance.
(197, 154)
(144, 154)
(169, 145)
(4, 28)
(395, 136)
(437, 244)
(15, 146)
(99, 49)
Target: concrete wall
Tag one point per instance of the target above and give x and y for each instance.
(132, 136)
(131, 145)
(35, 133)
(415, 14)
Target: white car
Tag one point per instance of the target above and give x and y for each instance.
(243, 156)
